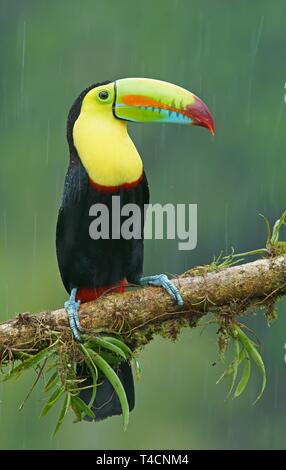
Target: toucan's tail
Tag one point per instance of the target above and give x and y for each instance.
(106, 402)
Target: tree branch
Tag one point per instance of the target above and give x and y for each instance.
(138, 314)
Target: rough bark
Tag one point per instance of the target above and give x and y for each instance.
(138, 314)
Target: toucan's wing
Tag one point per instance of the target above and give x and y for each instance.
(136, 254)
(145, 190)
(69, 218)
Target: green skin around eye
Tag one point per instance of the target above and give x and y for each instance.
(104, 96)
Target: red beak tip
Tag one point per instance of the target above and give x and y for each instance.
(201, 115)
(210, 124)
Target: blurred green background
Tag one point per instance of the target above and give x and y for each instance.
(232, 54)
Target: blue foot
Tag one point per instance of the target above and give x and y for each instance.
(72, 307)
(163, 281)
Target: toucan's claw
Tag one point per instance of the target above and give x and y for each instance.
(72, 307)
(161, 280)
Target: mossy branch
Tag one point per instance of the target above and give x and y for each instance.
(140, 313)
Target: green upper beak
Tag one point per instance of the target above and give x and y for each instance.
(148, 100)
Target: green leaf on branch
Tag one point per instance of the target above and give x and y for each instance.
(53, 380)
(245, 377)
(234, 365)
(243, 356)
(113, 378)
(82, 407)
(128, 352)
(32, 361)
(63, 413)
(254, 354)
(105, 344)
(56, 395)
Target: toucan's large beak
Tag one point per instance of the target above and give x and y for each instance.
(147, 100)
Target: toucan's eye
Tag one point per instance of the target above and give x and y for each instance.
(103, 95)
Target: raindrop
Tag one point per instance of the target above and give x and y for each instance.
(48, 143)
(23, 60)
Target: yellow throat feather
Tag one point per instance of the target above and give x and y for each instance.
(104, 146)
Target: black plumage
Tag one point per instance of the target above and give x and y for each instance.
(85, 262)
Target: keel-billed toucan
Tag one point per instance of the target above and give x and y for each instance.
(105, 162)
